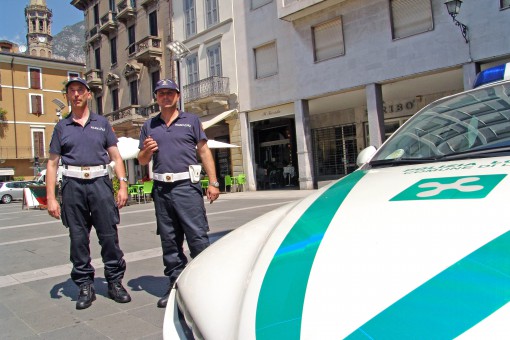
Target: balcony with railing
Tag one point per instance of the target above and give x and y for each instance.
(94, 78)
(125, 118)
(108, 23)
(126, 10)
(148, 49)
(93, 35)
(212, 89)
(291, 10)
(123, 115)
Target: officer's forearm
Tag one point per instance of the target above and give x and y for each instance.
(51, 176)
(208, 164)
(144, 156)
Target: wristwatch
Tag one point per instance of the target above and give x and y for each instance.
(123, 179)
(215, 184)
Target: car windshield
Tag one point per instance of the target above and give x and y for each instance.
(462, 126)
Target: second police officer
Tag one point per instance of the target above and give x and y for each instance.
(171, 140)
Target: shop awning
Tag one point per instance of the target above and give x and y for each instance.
(214, 144)
(6, 172)
(210, 120)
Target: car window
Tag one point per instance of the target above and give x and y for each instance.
(477, 119)
(11, 185)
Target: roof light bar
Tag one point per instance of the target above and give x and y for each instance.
(496, 73)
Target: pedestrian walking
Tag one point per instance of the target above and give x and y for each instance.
(171, 140)
(85, 144)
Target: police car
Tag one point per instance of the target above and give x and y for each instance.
(413, 244)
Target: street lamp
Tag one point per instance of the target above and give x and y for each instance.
(179, 51)
(60, 105)
(453, 7)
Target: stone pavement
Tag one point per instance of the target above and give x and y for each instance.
(37, 297)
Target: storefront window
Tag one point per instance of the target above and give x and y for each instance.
(335, 151)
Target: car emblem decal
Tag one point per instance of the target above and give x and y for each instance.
(451, 302)
(463, 187)
(282, 295)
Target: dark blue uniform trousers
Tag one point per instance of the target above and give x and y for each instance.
(180, 212)
(87, 203)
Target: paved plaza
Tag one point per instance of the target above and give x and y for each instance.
(37, 296)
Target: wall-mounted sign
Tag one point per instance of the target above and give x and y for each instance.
(272, 112)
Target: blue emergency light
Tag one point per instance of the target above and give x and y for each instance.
(496, 73)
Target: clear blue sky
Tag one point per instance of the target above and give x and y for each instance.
(12, 17)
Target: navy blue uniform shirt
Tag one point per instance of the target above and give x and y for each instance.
(176, 143)
(83, 145)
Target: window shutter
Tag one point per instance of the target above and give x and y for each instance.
(38, 143)
(35, 78)
(36, 105)
(411, 17)
(266, 60)
(328, 40)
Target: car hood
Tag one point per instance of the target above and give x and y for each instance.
(408, 251)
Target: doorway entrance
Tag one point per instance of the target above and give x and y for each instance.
(275, 154)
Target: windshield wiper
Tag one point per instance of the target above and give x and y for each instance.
(476, 153)
(402, 161)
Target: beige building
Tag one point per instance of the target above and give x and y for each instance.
(32, 101)
(126, 48)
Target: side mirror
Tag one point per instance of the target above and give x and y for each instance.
(365, 155)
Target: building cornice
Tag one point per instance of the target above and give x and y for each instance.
(22, 59)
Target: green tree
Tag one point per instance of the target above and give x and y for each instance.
(3, 122)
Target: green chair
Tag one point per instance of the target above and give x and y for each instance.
(134, 193)
(147, 190)
(228, 182)
(241, 181)
(204, 183)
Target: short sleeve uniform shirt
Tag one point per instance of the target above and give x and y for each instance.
(176, 143)
(83, 145)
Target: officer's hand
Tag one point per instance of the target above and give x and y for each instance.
(122, 197)
(54, 208)
(212, 193)
(150, 145)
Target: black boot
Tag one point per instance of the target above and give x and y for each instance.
(87, 295)
(117, 292)
(164, 300)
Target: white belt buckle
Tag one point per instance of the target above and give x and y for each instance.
(168, 178)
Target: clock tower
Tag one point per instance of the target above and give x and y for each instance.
(39, 39)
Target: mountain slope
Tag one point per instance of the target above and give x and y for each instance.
(68, 44)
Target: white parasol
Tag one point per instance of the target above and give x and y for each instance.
(128, 147)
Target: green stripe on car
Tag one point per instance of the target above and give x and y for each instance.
(451, 302)
(281, 298)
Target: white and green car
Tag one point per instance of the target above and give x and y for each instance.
(415, 244)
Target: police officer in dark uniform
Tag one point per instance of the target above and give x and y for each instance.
(171, 139)
(86, 144)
